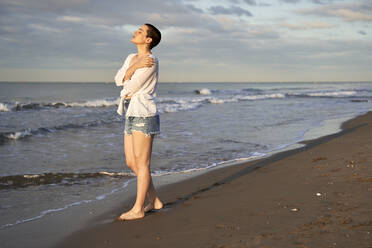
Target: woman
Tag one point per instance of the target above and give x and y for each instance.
(139, 77)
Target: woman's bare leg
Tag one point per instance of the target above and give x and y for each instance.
(154, 201)
(138, 148)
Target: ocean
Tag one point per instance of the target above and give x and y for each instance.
(61, 144)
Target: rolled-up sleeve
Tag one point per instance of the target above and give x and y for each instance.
(120, 76)
(139, 78)
(121, 72)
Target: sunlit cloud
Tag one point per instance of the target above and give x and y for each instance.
(307, 25)
(69, 19)
(232, 10)
(350, 11)
(350, 15)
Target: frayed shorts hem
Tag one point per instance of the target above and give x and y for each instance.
(148, 134)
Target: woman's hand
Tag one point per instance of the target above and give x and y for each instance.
(140, 63)
(144, 62)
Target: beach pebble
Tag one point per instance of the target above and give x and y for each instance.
(350, 165)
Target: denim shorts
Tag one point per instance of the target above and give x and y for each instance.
(147, 125)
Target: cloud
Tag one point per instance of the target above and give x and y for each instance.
(232, 10)
(70, 19)
(85, 35)
(290, 1)
(264, 4)
(46, 5)
(362, 32)
(324, 1)
(351, 15)
(307, 25)
(311, 1)
(96, 12)
(43, 28)
(351, 12)
(193, 8)
(251, 2)
(54, 35)
(235, 1)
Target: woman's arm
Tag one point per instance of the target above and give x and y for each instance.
(141, 63)
(121, 72)
(142, 76)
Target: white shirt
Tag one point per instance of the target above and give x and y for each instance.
(141, 88)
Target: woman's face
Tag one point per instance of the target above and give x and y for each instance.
(140, 36)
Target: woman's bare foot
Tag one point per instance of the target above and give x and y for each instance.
(132, 215)
(156, 204)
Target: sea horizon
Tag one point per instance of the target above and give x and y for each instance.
(207, 82)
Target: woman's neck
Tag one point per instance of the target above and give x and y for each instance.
(143, 50)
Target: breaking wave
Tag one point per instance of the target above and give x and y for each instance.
(167, 105)
(204, 91)
(9, 136)
(100, 103)
(4, 107)
(330, 94)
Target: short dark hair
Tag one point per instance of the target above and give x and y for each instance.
(154, 34)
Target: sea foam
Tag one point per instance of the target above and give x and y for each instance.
(4, 107)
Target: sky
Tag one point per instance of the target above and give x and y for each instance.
(202, 41)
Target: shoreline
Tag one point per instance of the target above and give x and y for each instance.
(197, 191)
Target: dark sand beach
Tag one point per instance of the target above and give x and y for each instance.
(319, 195)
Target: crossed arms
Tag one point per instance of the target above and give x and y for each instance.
(134, 76)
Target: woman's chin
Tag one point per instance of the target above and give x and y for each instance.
(133, 40)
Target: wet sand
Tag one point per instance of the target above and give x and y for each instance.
(316, 196)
